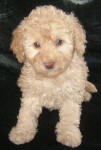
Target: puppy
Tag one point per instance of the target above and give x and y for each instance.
(51, 45)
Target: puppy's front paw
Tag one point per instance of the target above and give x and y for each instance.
(21, 136)
(70, 138)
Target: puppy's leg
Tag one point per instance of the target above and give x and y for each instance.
(67, 128)
(25, 129)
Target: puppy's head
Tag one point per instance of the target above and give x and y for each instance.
(47, 38)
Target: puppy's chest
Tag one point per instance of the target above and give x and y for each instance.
(51, 95)
(53, 91)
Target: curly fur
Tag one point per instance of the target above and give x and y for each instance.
(63, 86)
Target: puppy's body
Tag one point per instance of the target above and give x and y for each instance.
(67, 90)
(54, 74)
(52, 92)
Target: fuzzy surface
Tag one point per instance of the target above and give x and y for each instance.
(80, 2)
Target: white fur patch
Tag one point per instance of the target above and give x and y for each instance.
(30, 51)
(66, 47)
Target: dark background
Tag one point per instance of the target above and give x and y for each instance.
(11, 13)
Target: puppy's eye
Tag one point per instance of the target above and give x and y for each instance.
(59, 42)
(37, 45)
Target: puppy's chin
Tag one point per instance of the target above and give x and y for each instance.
(52, 73)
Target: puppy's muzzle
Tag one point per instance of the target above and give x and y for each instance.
(49, 65)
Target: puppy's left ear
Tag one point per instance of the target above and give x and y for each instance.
(17, 43)
(79, 36)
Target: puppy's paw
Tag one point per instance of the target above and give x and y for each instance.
(70, 138)
(21, 136)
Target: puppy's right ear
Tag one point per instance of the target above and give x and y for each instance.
(17, 44)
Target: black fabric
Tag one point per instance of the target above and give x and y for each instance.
(11, 13)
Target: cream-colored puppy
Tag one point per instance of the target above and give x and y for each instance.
(51, 45)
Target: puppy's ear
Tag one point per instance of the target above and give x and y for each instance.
(17, 44)
(79, 36)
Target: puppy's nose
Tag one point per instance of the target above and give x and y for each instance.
(49, 65)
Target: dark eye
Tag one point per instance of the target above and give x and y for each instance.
(37, 45)
(59, 42)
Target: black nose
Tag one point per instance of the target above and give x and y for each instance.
(49, 65)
